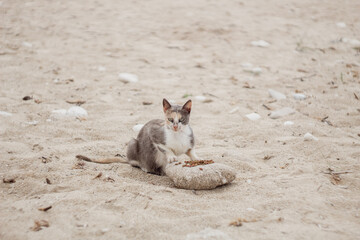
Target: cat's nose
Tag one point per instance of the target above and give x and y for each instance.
(175, 127)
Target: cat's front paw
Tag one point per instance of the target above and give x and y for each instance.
(171, 159)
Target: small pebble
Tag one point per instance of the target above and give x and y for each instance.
(137, 127)
(33, 123)
(282, 112)
(310, 137)
(128, 78)
(255, 71)
(251, 209)
(248, 181)
(341, 24)
(277, 95)
(5, 114)
(246, 65)
(101, 69)
(234, 110)
(253, 116)
(354, 42)
(200, 98)
(260, 43)
(27, 44)
(288, 123)
(299, 96)
(76, 111)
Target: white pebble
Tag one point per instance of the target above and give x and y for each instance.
(309, 137)
(299, 96)
(253, 116)
(5, 114)
(341, 24)
(76, 111)
(255, 71)
(248, 181)
(200, 98)
(33, 123)
(101, 69)
(27, 44)
(260, 43)
(354, 42)
(138, 127)
(234, 110)
(251, 209)
(282, 112)
(246, 65)
(288, 123)
(128, 78)
(48, 120)
(277, 95)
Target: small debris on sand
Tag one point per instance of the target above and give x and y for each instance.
(197, 163)
(45, 208)
(39, 224)
(9, 180)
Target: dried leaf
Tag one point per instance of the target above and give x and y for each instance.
(98, 176)
(76, 102)
(79, 165)
(268, 108)
(357, 98)
(109, 179)
(45, 209)
(239, 222)
(9, 180)
(267, 157)
(39, 224)
(147, 103)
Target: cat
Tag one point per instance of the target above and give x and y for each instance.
(159, 142)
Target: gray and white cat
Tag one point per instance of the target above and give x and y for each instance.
(159, 142)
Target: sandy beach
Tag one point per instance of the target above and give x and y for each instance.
(225, 56)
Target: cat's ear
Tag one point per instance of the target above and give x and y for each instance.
(166, 105)
(187, 106)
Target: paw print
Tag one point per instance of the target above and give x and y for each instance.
(171, 159)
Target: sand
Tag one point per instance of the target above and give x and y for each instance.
(56, 51)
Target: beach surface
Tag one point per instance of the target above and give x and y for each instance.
(298, 180)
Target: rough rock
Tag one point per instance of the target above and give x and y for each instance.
(200, 177)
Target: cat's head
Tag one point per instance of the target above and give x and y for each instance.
(176, 116)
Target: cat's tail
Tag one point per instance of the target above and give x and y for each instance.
(103, 160)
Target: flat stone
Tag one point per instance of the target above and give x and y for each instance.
(310, 137)
(299, 96)
(128, 78)
(5, 114)
(288, 123)
(277, 95)
(253, 116)
(282, 112)
(260, 43)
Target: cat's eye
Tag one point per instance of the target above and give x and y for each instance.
(181, 120)
(171, 119)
